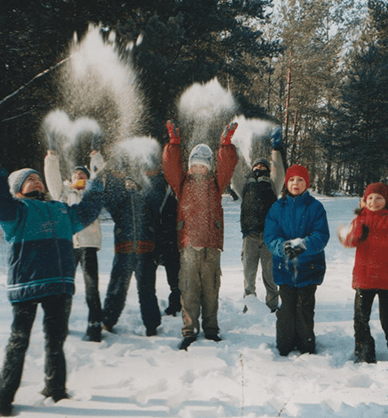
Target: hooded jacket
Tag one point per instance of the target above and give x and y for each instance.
(200, 217)
(297, 217)
(371, 261)
(91, 235)
(40, 236)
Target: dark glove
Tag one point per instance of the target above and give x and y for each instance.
(173, 132)
(228, 133)
(365, 233)
(276, 138)
(292, 251)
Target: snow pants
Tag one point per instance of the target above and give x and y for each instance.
(144, 267)
(295, 320)
(55, 326)
(199, 282)
(254, 250)
(87, 257)
(364, 342)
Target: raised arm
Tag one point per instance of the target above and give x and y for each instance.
(52, 175)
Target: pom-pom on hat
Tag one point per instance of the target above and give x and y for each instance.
(380, 188)
(17, 178)
(82, 168)
(300, 171)
(201, 154)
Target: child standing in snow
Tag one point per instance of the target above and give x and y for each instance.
(86, 243)
(368, 233)
(200, 227)
(296, 232)
(41, 270)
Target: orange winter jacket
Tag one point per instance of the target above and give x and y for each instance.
(200, 220)
(371, 263)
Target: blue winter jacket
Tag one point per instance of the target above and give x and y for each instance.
(299, 217)
(40, 237)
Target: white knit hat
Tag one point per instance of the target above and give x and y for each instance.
(201, 154)
(17, 178)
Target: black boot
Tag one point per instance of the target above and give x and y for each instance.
(6, 409)
(93, 333)
(186, 342)
(213, 337)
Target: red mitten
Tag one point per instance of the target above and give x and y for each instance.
(173, 132)
(228, 133)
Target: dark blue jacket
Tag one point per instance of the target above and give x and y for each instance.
(40, 235)
(300, 217)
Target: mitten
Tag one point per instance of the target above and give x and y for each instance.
(365, 233)
(173, 132)
(294, 248)
(97, 164)
(228, 133)
(276, 138)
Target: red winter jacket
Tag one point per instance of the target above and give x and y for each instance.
(371, 264)
(200, 219)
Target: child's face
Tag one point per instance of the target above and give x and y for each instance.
(199, 169)
(375, 202)
(79, 179)
(296, 185)
(32, 183)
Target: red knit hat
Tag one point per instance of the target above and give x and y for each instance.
(380, 188)
(300, 171)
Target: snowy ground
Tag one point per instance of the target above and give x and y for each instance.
(129, 374)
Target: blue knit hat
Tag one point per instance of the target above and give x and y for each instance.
(82, 168)
(201, 154)
(17, 178)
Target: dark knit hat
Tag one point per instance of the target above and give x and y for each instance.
(17, 178)
(263, 161)
(380, 188)
(82, 168)
(300, 171)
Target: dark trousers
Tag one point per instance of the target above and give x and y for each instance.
(365, 344)
(89, 265)
(295, 320)
(171, 263)
(144, 267)
(55, 326)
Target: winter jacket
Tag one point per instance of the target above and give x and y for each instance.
(88, 237)
(200, 216)
(297, 217)
(371, 263)
(40, 236)
(134, 212)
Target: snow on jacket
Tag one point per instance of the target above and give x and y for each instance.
(297, 217)
(371, 262)
(200, 216)
(40, 236)
(134, 212)
(90, 236)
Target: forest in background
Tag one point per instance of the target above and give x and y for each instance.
(318, 68)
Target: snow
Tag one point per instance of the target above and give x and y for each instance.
(128, 374)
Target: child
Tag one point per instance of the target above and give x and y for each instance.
(296, 232)
(200, 227)
(368, 233)
(41, 270)
(86, 243)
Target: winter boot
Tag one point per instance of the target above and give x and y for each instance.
(57, 396)
(6, 409)
(150, 332)
(186, 342)
(93, 333)
(365, 353)
(213, 337)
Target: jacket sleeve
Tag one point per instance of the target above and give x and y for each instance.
(52, 176)
(319, 235)
(277, 173)
(226, 163)
(353, 234)
(173, 166)
(85, 212)
(9, 207)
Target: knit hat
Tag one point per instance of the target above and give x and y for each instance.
(82, 168)
(380, 188)
(201, 154)
(300, 171)
(263, 161)
(17, 178)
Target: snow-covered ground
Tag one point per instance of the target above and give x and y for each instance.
(129, 374)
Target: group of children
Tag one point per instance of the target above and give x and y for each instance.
(43, 256)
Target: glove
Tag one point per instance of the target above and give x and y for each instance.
(276, 138)
(228, 133)
(293, 248)
(97, 164)
(365, 233)
(173, 132)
